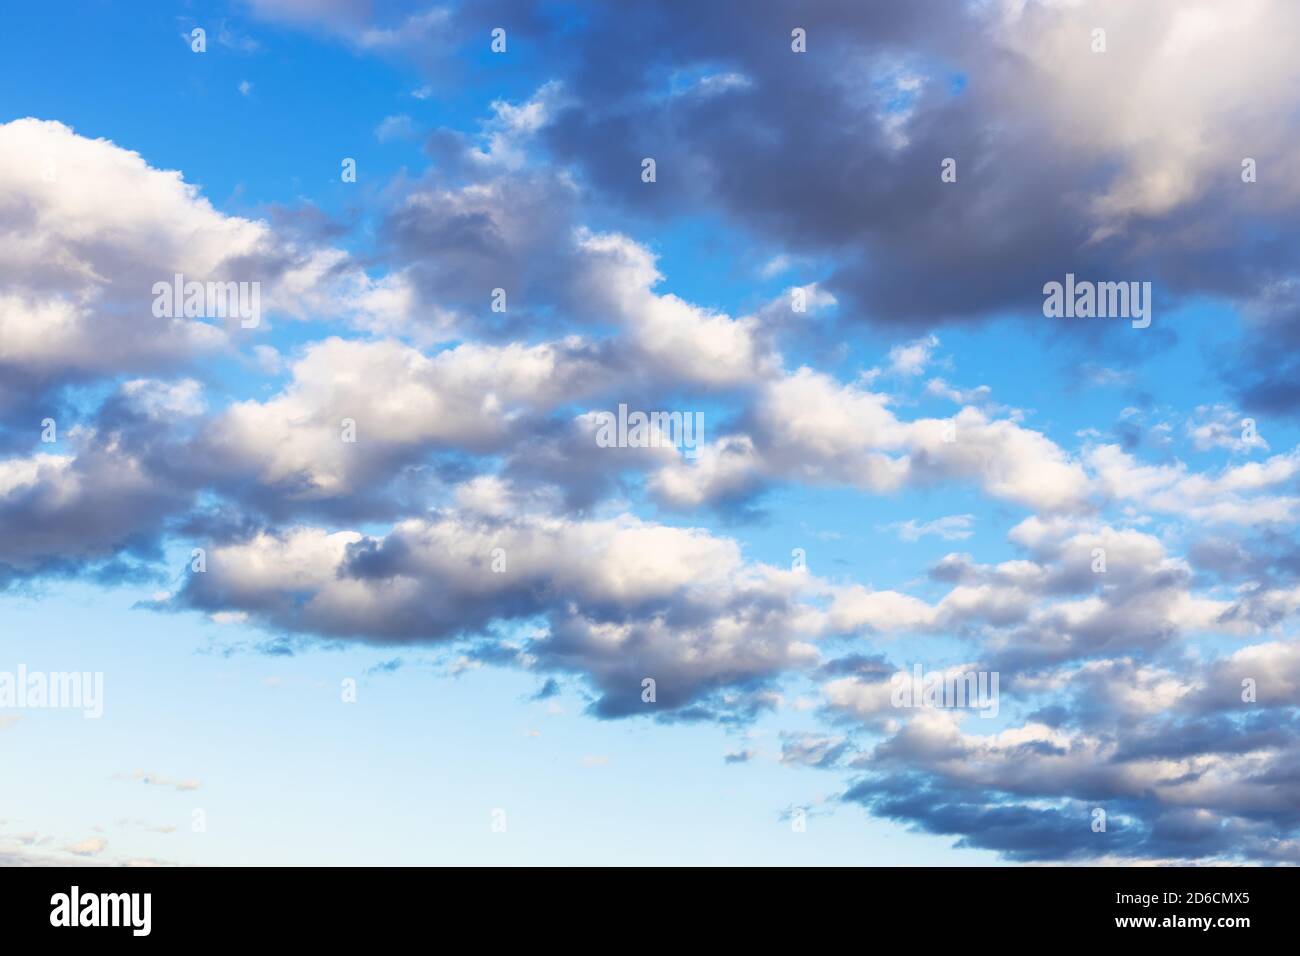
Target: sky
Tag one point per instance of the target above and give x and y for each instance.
(367, 581)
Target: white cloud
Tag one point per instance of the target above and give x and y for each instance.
(1237, 495)
(1189, 81)
(473, 396)
(1219, 426)
(92, 846)
(949, 528)
(86, 230)
(971, 396)
(511, 126)
(811, 428)
(911, 358)
(679, 341)
(604, 586)
(392, 128)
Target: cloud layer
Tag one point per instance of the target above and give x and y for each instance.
(397, 461)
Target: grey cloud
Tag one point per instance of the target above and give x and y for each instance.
(812, 750)
(615, 612)
(95, 511)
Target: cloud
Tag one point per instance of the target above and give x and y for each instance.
(474, 397)
(988, 87)
(1220, 427)
(395, 128)
(88, 228)
(812, 750)
(1240, 494)
(418, 28)
(65, 512)
(476, 512)
(1060, 606)
(913, 357)
(973, 396)
(622, 600)
(156, 780)
(92, 846)
(1174, 790)
(949, 528)
(677, 340)
(808, 427)
(334, 13)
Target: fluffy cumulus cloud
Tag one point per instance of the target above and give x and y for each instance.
(809, 427)
(1178, 764)
(407, 450)
(355, 411)
(1185, 758)
(99, 508)
(1079, 595)
(100, 495)
(89, 228)
(621, 600)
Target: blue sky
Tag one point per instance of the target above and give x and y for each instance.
(830, 532)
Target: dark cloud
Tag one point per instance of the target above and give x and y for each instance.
(550, 688)
(1019, 832)
(95, 512)
(1044, 808)
(857, 665)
